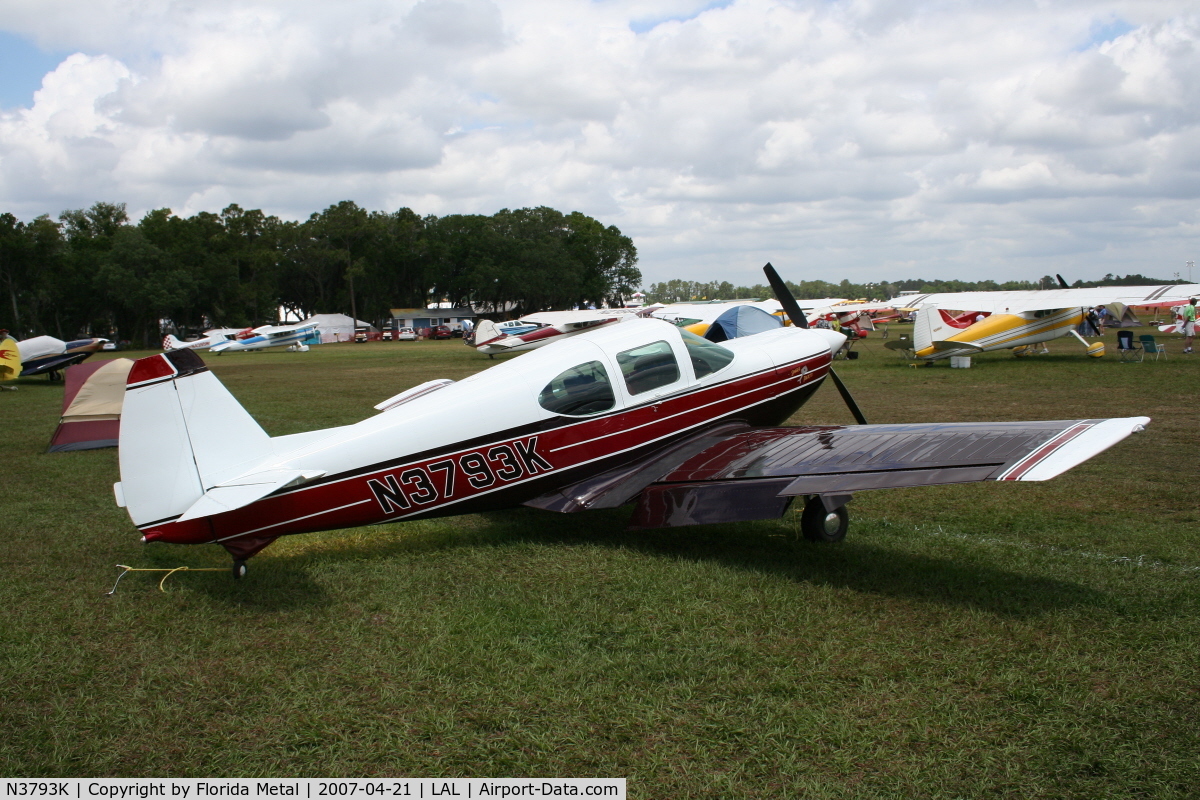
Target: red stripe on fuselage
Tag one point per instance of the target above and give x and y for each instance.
(432, 486)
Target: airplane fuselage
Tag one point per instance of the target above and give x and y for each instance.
(999, 331)
(263, 340)
(400, 465)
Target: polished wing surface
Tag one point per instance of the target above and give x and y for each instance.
(739, 473)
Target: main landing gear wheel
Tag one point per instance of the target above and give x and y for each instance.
(820, 525)
(239, 569)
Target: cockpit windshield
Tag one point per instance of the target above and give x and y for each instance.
(706, 356)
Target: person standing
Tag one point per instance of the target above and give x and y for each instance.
(1189, 324)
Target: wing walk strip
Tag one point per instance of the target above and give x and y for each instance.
(1027, 463)
(398, 517)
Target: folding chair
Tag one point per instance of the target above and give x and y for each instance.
(1128, 350)
(1148, 346)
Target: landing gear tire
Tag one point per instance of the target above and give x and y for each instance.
(239, 569)
(819, 525)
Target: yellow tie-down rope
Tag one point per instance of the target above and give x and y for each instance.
(169, 572)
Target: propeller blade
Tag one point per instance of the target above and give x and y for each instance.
(784, 296)
(845, 393)
(792, 309)
(1062, 284)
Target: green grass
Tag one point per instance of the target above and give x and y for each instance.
(1015, 640)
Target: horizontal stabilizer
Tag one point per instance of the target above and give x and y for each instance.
(244, 490)
(952, 345)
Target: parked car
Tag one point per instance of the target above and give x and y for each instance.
(406, 335)
(360, 334)
(387, 335)
(442, 332)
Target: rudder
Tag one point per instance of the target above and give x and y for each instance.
(182, 432)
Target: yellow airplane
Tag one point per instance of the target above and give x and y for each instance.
(1019, 321)
(10, 358)
(937, 334)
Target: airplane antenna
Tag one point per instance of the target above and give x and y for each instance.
(796, 315)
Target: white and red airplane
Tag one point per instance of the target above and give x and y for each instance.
(542, 328)
(211, 337)
(643, 412)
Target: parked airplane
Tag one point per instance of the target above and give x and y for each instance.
(10, 357)
(46, 354)
(210, 338)
(268, 336)
(549, 326)
(1019, 320)
(697, 317)
(641, 412)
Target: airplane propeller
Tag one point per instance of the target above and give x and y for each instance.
(1061, 283)
(796, 315)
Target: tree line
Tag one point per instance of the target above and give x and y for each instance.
(681, 291)
(94, 272)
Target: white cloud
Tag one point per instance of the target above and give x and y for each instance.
(853, 138)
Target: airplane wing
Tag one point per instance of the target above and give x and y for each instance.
(571, 317)
(848, 307)
(1017, 301)
(737, 473)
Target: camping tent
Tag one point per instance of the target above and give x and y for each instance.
(741, 321)
(1121, 316)
(92, 399)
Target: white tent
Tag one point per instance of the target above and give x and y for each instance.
(335, 327)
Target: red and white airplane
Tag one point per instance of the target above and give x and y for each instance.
(642, 412)
(547, 327)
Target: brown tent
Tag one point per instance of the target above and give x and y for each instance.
(92, 401)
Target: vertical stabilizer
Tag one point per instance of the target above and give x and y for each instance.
(182, 432)
(486, 331)
(928, 328)
(10, 359)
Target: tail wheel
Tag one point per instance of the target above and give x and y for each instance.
(821, 525)
(239, 569)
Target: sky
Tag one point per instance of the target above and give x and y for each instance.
(863, 139)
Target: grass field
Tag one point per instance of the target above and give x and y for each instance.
(998, 640)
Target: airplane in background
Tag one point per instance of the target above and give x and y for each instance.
(643, 412)
(540, 329)
(1019, 320)
(211, 337)
(10, 358)
(48, 355)
(291, 336)
(697, 317)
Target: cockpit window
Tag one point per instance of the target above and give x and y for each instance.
(707, 357)
(579, 391)
(648, 367)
